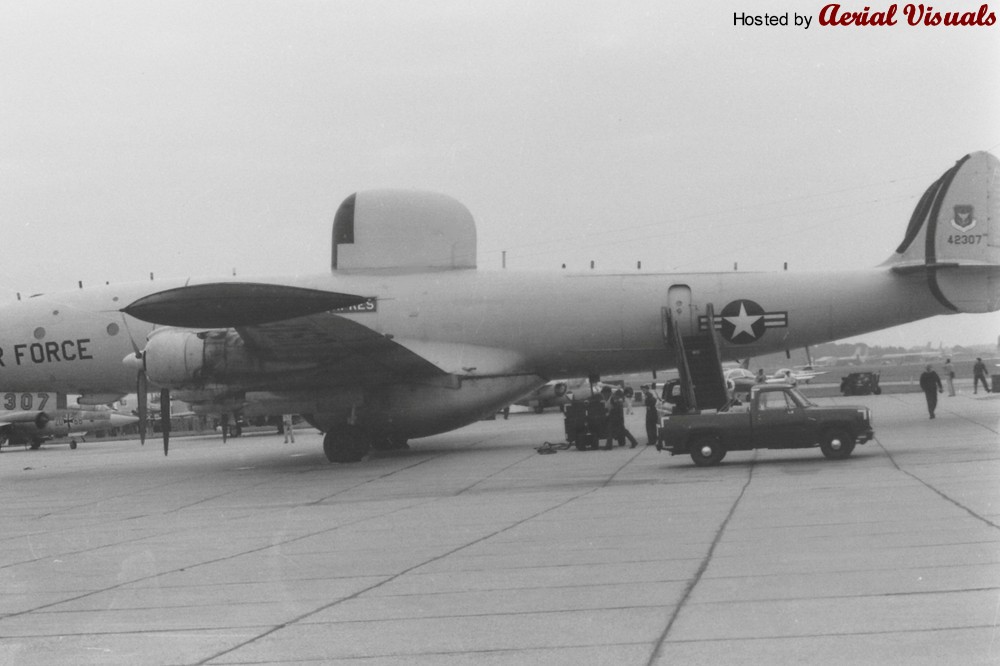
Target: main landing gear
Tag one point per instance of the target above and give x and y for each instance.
(351, 443)
(346, 444)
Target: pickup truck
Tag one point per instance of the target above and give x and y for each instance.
(776, 416)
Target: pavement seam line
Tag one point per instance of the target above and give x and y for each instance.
(389, 579)
(935, 490)
(654, 656)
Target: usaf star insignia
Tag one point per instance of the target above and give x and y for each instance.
(743, 321)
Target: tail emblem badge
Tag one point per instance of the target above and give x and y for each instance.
(963, 219)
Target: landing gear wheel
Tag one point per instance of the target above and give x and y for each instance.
(707, 451)
(35, 444)
(345, 445)
(837, 444)
(72, 444)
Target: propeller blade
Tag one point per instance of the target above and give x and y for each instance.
(165, 418)
(142, 395)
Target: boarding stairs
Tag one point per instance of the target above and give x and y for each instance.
(699, 364)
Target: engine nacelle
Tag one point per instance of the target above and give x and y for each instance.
(182, 358)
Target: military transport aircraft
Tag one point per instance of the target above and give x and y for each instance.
(404, 338)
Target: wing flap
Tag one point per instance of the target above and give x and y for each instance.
(344, 351)
(341, 347)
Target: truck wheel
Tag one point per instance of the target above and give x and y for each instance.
(707, 451)
(837, 444)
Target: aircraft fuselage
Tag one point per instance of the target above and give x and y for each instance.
(560, 325)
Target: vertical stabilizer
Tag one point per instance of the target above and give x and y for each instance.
(954, 236)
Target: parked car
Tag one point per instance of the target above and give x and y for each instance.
(860, 383)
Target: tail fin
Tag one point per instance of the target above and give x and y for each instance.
(954, 236)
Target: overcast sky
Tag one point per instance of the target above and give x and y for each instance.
(195, 138)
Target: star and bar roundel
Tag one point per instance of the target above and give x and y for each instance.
(743, 321)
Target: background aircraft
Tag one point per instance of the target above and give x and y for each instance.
(552, 394)
(859, 357)
(47, 420)
(404, 338)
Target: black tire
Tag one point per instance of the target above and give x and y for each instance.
(877, 391)
(837, 443)
(707, 451)
(72, 444)
(348, 445)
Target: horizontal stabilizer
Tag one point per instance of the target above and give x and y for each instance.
(232, 304)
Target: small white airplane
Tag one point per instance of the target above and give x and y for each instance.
(44, 421)
(780, 376)
(404, 338)
(794, 376)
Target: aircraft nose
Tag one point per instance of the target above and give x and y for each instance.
(120, 420)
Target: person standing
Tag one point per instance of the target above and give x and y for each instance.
(930, 384)
(949, 377)
(652, 415)
(616, 422)
(607, 399)
(288, 428)
(979, 375)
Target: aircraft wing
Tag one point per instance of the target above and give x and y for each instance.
(349, 351)
(339, 345)
(287, 324)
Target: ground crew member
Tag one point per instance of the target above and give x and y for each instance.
(652, 415)
(288, 428)
(949, 377)
(979, 375)
(930, 384)
(616, 422)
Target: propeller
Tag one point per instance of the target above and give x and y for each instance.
(165, 418)
(142, 395)
(137, 360)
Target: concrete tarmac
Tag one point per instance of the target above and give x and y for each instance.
(473, 548)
